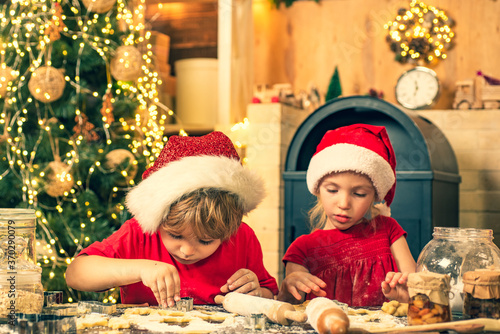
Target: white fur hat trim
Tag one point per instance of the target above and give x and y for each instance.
(151, 199)
(349, 157)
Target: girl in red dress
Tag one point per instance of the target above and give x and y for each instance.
(186, 238)
(356, 253)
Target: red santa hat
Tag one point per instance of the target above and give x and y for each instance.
(360, 148)
(186, 164)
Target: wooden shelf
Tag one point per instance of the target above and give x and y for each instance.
(192, 130)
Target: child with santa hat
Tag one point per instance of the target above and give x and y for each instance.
(356, 253)
(186, 237)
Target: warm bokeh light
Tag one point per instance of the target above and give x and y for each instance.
(421, 34)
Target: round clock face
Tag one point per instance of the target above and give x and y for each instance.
(417, 88)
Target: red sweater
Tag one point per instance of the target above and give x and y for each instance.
(201, 280)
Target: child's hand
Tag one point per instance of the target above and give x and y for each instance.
(163, 279)
(394, 287)
(243, 281)
(300, 281)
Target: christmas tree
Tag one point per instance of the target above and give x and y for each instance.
(334, 88)
(80, 120)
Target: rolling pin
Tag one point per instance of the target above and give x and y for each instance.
(277, 311)
(326, 317)
(460, 326)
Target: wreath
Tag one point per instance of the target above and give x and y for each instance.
(421, 34)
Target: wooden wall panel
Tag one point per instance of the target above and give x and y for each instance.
(302, 44)
(191, 25)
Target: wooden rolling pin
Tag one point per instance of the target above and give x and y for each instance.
(277, 311)
(460, 326)
(326, 317)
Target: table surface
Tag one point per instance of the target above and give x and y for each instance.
(240, 327)
(272, 328)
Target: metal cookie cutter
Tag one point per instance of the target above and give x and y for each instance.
(185, 304)
(51, 298)
(256, 322)
(45, 323)
(96, 307)
(62, 309)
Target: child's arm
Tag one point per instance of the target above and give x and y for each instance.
(394, 286)
(98, 273)
(299, 282)
(246, 281)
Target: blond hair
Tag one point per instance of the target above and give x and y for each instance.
(318, 218)
(210, 212)
(317, 215)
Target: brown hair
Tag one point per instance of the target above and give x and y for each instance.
(212, 213)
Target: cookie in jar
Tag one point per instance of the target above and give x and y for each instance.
(481, 294)
(429, 298)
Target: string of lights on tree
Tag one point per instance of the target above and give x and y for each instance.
(421, 34)
(80, 118)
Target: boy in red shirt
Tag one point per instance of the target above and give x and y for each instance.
(186, 238)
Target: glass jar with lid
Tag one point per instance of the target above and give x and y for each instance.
(21, 292)
(17, 238)
(21, 289)
(482, 294)
(454, 251)
(429, 298)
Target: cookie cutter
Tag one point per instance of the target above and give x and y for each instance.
(62, 309)
(44, 323)
(256, 322)
(96, 307)
(51, 298)
(185, 304)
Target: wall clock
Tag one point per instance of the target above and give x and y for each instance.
(417, 88)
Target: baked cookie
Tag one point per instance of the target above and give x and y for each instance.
(395, 308)
(119, 323)
(91, 320)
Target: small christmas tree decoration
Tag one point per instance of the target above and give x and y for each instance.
(85, 128)
(107, 108)
(334, 88)
(58, 178)
(7, 74)
(118, 157)
(126, 65)
(99, 6)
(46, 84)
(56, 24)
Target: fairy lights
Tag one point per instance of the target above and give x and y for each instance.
(30, 33)
(421, 34)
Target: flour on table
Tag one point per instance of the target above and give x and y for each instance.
(373, 320)
(197, 321)
(92, 320)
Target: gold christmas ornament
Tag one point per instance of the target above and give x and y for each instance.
(126, 63)
(116, 158)
(46, 84)
(7, 74)
(99, 6)
(58, 179)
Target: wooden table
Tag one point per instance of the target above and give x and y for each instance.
(35, 326)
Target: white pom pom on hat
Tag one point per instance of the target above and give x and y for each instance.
(186, 164)
(360, 148)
